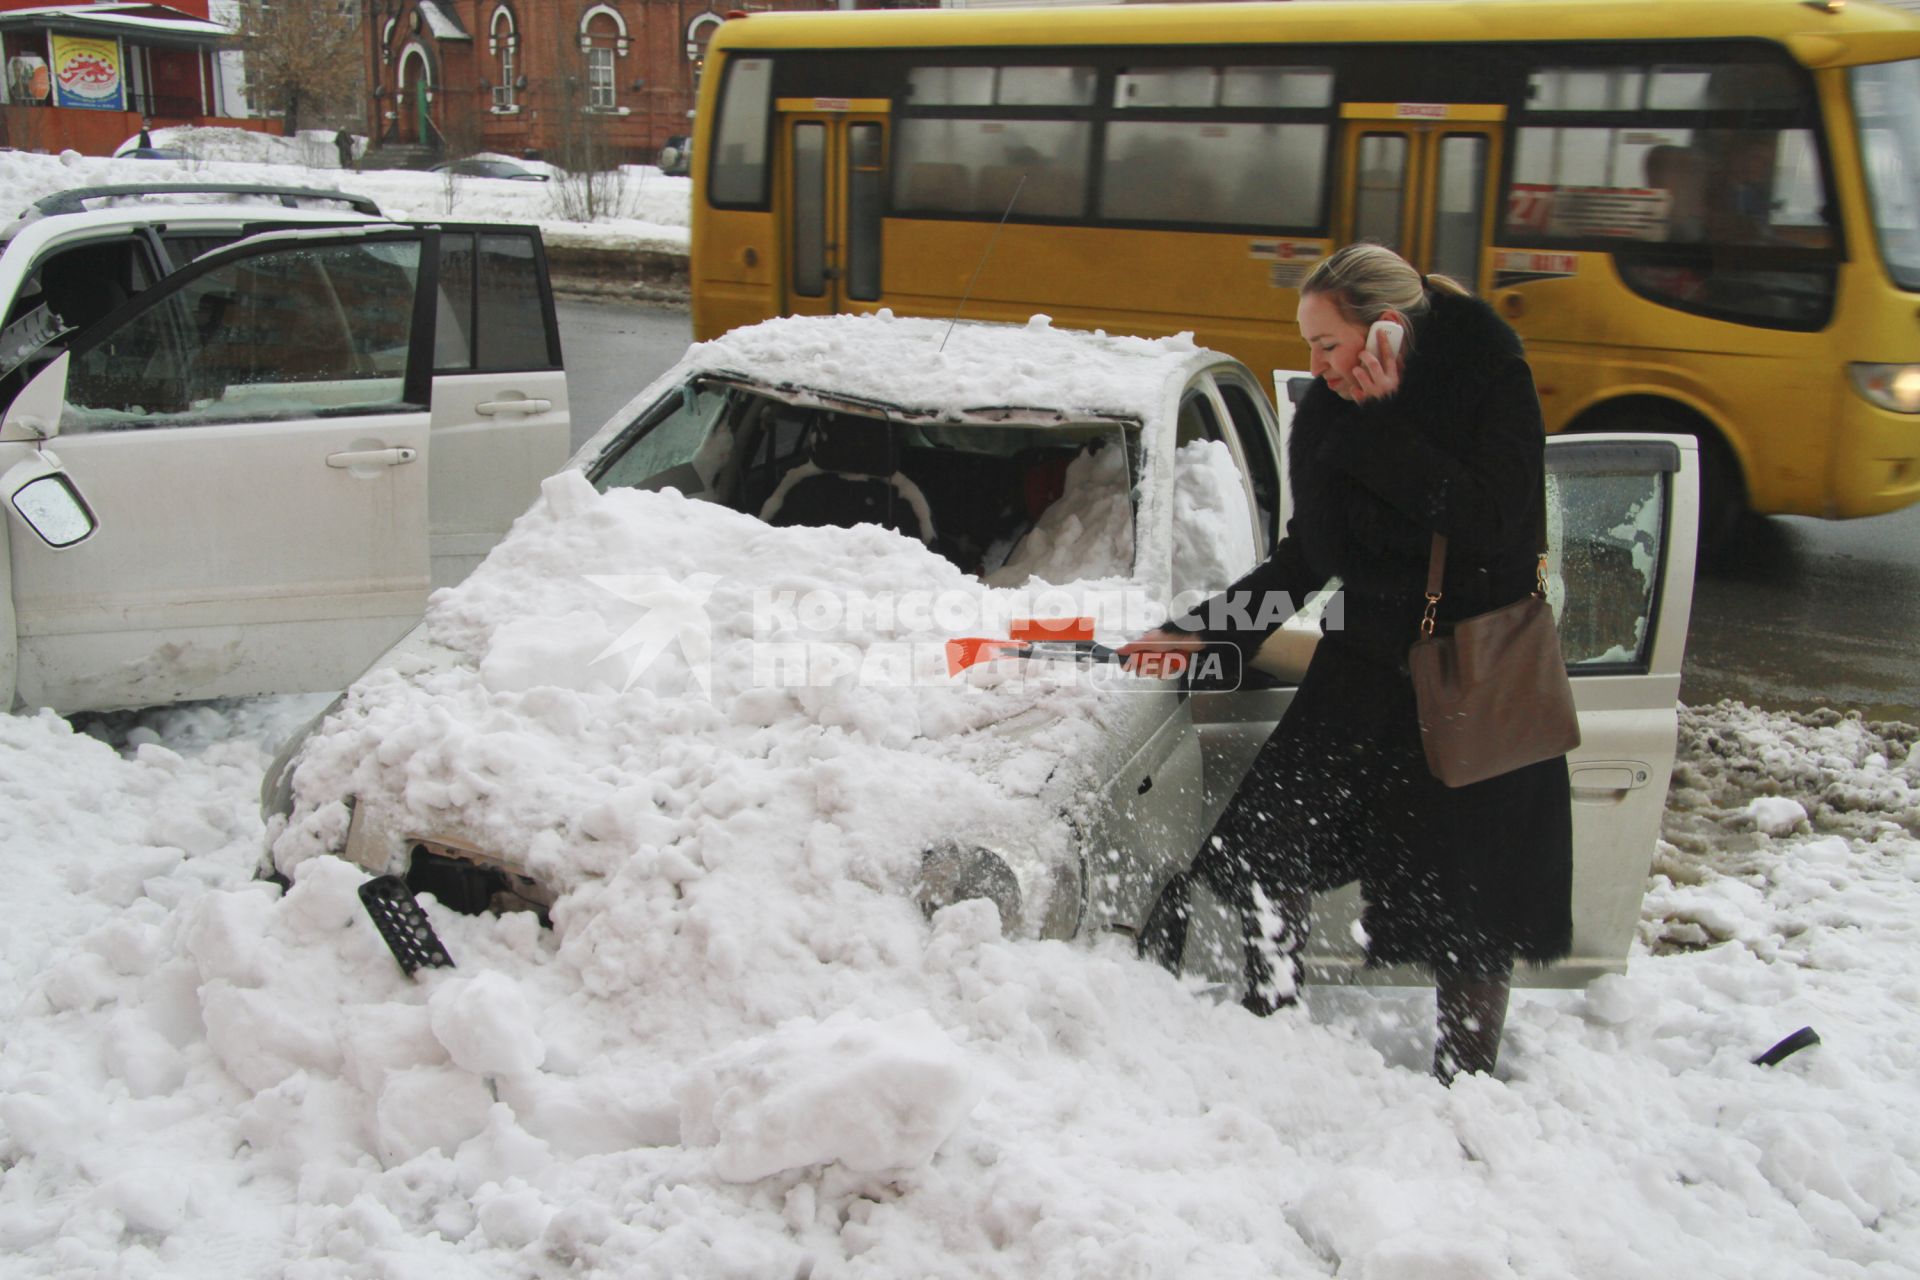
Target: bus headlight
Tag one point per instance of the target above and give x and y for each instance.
(1891, 386)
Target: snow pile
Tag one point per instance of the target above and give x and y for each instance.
(309, 149)
(758, 749)
(1087, 531)
(1212, 527)
(649, 209)
(205, 1078)
(931, 364)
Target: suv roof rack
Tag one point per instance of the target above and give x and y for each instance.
(75, 200)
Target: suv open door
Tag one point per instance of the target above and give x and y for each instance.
(254, 435)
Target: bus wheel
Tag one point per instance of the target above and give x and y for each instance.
(1724, 515)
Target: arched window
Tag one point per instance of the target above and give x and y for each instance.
(603, 38)
(503, 42)
(699, 33)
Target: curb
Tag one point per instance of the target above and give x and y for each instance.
(631, 274)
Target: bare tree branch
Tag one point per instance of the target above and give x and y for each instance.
(303, 59)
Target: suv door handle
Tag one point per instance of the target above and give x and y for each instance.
(372, 458)
(491, 407)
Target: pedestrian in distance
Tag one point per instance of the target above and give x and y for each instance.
(146, 132)
(1397, 439)
(343, 141)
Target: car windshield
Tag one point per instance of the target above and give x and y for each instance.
(1886, 103)
(1008, 495)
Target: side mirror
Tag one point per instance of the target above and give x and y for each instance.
(46, 498)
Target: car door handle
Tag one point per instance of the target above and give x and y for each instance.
(492, 407)
(1618, 776)
(372, 458)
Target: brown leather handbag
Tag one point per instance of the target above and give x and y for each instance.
(1493, 694)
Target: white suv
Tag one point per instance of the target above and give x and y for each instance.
(277, 428)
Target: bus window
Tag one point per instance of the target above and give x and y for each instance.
(1266, 175)
(1461, 197)
(865, 156)
(1276, 87)
(1381, 195)
(1886, 101)
(974, 166)
(950, 86)
(737, 173)
(810, 209)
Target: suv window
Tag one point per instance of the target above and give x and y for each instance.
(491, 317)
(1607, 514)
(66, 291)
(292, 332)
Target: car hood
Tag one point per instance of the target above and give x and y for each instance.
(639, 680)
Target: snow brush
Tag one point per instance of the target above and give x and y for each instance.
(1058, 639)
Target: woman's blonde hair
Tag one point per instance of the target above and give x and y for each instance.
(1367, 280)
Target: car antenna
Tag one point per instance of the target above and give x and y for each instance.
(984, 255)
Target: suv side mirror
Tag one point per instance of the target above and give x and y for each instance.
(48, 501)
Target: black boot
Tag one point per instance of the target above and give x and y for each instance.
(1293, 908)
(1163, 939)
(1472, 1014)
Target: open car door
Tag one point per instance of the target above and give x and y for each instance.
(252, 434)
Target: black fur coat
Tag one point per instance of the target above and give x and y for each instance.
(1470, 874)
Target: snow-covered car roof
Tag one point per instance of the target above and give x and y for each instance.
(119, 205)
(952, 370)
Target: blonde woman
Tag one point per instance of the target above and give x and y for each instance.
(1387, 449)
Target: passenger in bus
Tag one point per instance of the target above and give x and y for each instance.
(1682, 173)
(1386, 452)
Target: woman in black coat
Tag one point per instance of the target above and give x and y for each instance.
(1386, 451)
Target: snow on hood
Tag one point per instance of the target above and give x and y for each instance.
(706, 777)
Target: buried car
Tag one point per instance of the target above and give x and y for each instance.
(769, 612)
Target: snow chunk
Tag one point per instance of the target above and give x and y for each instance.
(486, 1025)
(870, 1095)
(429, 1107)
(1777, 815)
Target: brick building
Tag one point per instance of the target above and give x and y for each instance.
(525, 77)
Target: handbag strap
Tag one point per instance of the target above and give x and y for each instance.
(1437, 569)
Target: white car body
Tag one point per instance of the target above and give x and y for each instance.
(1128, 795)
(278, 551)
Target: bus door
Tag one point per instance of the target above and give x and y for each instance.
(1419, 178)
(833, 156)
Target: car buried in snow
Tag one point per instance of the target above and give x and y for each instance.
(688, 638)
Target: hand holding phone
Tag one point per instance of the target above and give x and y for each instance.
(1394, 333)
(1376, 374)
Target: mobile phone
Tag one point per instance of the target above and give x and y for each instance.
(1395, 336)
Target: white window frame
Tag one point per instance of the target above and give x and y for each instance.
(502, 44)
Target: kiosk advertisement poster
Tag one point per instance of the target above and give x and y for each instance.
(86, 73)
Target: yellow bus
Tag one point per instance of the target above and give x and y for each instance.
(1702, 215)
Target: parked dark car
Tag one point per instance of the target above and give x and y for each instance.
(476, 167)
(676, 156)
